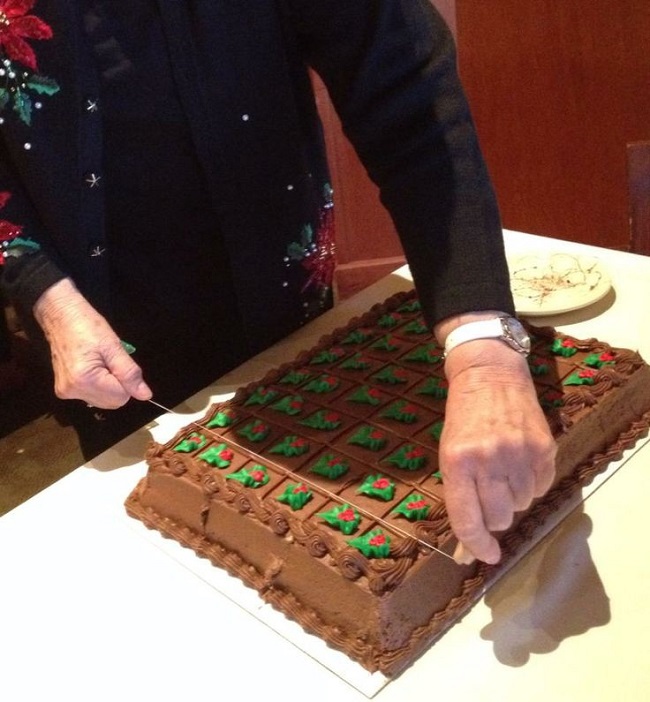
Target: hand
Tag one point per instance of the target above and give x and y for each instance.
(87, 357)
(496, 451)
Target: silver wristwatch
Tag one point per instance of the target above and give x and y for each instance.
(508, 329)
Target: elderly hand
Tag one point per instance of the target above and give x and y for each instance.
(88, 359)
(496, 450)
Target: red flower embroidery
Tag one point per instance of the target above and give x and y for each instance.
(8, 230)
(16, 26)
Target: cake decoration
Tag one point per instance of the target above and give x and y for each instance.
(193, 442)
(428, 353)
(435, 387)
(598, 360)
(414, 507)
(254, 477)
(262, 396)
(296, 495)
(408, 457)
(358, 336)
(356, 362)
(584, 376)
(218, 456)
(322, 384)
(564, 347)
(291, 404)
(330, 466)
(295, 377)
(401, 411)
(255, 431)
(222, 419)
(378, 486)
(343, 517)
(389, 321)
(369, 437)
(291, 446)
(323, 419)
(386, 343)
(374, 544)
(366, 395)
(391, 375)
(328, 356)
(416, 327)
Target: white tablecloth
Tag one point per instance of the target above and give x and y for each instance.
(90, 609)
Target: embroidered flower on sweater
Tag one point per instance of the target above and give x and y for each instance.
(9, 232)
(19, 77)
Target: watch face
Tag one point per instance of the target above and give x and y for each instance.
(518, 333)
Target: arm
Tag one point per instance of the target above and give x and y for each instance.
(87, 358)
(390, 67)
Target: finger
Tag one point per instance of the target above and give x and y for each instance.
(129, 374)
(466, 520)
(522, 482)
(497, 502)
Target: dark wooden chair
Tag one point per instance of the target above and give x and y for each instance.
(638, 171)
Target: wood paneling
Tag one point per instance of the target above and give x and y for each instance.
(638, 168)
(558, 88)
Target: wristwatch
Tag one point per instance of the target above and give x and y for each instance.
(508, 329)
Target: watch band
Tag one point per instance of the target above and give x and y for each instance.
(503, 328)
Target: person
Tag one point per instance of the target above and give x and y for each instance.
(169, 189)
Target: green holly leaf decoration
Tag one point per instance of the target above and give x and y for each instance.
(391, 375)
(435, 431)
(255, 431)
(435, 387)
(390, 320)
(193, 442)
(222, 419)
(262, 396)
(219, 456)
(344, 517)
(369, 437)
(598, 360)
(564, 347)
(365, 395)
(291, 405)
(585, 376)
(254, 477)
(417, 327)
(325, 420)
(386, 343)
(291, 446)
(356, 362)
(401, 411)
(374, 544)
(295, 377)
(414, 508)
(296, 495)
(409, 457)
(427, 353)
(328, 356)
(330, 466)
(323, 384)
(358, 336)
(377, 486)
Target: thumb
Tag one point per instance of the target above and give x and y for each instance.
(129, 375)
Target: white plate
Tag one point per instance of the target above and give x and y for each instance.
(551, 283)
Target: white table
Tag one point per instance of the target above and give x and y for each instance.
(91, 610)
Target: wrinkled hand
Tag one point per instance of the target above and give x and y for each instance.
(87, 357)
(496, 450)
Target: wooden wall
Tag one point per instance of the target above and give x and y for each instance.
(558, 89)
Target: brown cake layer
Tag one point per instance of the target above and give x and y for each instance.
(369, 399)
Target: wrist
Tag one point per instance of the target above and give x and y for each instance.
(56, 302)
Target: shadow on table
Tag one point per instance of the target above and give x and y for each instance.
(555, 593)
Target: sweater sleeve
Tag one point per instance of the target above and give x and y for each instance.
(390, 69)
(27, 269)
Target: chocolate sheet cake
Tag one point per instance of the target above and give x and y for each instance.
(319, 485)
